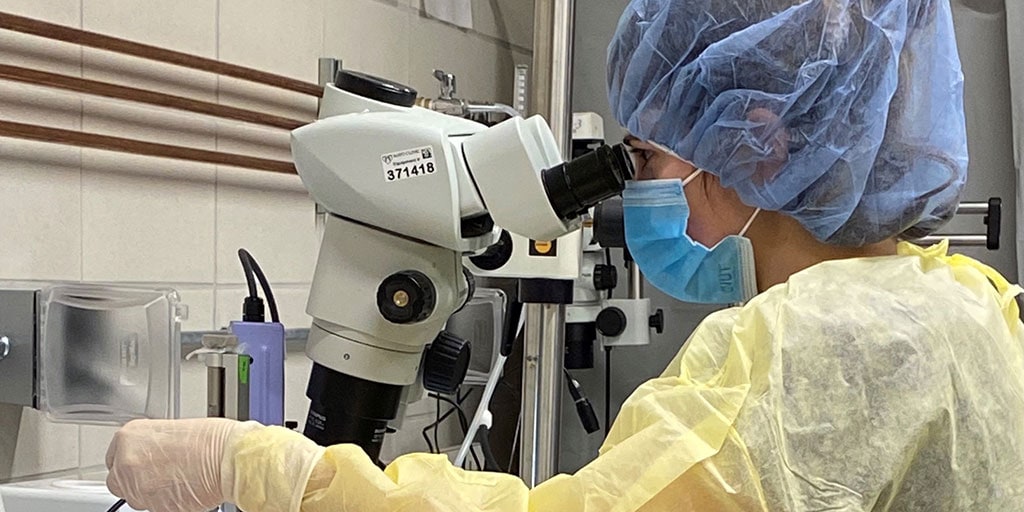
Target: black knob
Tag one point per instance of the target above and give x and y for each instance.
(406, 297)
(606, 277)
(611, 322)
(657, 321)
(609, 226)
(446, 362)
(497, 255)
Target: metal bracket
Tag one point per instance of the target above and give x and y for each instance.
(993, 220)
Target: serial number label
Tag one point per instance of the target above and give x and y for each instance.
(409, 163)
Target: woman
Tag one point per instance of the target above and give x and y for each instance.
(783, 147)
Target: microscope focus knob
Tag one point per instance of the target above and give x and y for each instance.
(657, 321)
(606, 277)
(406, 297)
(446, 363)
(611, 322)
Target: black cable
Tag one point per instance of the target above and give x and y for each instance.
(430, 426)
(446, 414)
(426, 437)
(437, 423)
(252, 306)
(463, 421)
(607, 390)
(490, 461)
(458, 408)
(247, 270)
(116, 506)
(271, 302)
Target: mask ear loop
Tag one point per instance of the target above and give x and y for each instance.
(692, 177)
(749, 222)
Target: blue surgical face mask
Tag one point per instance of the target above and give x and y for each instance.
(655, 215)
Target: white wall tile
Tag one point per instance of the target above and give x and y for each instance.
(148, 75)
(262, 142)
(370, 36)
(147, 123)
(65, 12)
(187, 26)
(38, 105)
(40, 189)
(270, 100)
(44, 446)
(200, 301)
(228, 306)
(35, 52)
(278, 36)
(271, 217)
(146, 219)
(94, 441)
(182, 25)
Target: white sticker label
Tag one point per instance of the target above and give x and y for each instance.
(407, 164)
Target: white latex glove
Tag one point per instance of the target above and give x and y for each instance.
(173, 465)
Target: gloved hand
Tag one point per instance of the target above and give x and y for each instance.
(174, 465)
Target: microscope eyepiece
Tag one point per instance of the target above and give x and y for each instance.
(575, 186)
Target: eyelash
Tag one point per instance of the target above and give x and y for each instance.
(645, 154)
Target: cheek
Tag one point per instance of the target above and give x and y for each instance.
(661, 166)
(706, 225)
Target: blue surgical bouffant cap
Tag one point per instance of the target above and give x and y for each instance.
(844, 114)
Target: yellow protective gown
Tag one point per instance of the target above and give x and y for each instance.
(891, 383)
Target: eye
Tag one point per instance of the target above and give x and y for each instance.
(640, 157)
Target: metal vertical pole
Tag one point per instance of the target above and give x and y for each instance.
(636, 281)
(543, 354)
(544, 343)
(329, 67)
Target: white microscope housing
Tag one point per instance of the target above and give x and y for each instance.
(410, 192)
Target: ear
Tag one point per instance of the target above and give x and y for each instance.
(770, 131)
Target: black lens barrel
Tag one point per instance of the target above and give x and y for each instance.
(575, 186)
(347, 409)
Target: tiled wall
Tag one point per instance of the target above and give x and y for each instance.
(71, 214)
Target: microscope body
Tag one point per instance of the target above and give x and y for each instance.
(410, 192)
